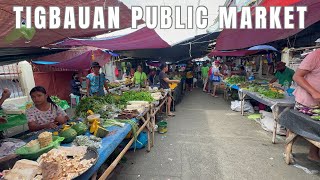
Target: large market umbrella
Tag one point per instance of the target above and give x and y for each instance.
(262, 47)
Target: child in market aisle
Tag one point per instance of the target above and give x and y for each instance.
(308, 91)
(45, 114)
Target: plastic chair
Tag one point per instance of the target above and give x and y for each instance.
(74, 100)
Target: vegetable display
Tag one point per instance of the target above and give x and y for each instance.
(136, 96)
(314, 113)
(114, 85)
(268, 92)
(68, 134)
(235, 79)
(103, 105)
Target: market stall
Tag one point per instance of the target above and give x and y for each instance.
(277, 105)
(299, 125)
(277, 98)
(119, 116)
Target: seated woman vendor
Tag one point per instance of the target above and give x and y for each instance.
(45, 114)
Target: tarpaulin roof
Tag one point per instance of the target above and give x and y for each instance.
(144, 38)
(77, 62)
(237, 53)
(192, 48)
(11, 55)
(45, 36)
(65, 55)
(231, 39)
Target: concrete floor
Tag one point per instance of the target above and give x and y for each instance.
(206, 140)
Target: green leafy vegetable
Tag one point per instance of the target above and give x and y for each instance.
(235, 80)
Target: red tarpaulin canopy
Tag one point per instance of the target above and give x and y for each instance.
(230, 39)
(144, 38)
(45, 36)
(237, 53)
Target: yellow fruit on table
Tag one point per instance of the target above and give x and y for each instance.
(55, 133)
(94, 126)
(90, 112)
(173, 85)
(65, 127)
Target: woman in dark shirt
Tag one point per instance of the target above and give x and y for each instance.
(164, 84)
(75, 84)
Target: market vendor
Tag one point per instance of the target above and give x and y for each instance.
(283, 74)
(96, 81)
(307, 93)
(242, 71)
(164, 84)
(140, 77)
(75, 84)
(45, 114)
(152, 76)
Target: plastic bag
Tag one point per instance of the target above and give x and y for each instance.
(236, 106)
(63, 104)
(267, 123)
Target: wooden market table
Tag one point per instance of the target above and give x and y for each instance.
(277, 105)
(299, 125)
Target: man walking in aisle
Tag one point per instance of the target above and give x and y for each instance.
(204, 75)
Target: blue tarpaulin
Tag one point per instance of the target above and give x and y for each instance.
(44, 62)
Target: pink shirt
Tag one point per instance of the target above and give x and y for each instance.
(310, 63)
(43, 117)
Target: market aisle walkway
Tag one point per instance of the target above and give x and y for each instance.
(206, 140)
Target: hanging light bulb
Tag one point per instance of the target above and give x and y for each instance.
(92, 56)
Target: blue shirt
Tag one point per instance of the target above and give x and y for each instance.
(96, 84)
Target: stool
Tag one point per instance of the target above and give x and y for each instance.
(74, 99)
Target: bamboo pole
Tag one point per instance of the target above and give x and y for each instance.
(117, 160)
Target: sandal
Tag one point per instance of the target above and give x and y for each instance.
(171, 114)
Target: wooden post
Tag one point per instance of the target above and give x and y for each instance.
(288, 149)
(242, 102)
(275, 112)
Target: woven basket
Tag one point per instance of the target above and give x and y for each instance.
(45, 139)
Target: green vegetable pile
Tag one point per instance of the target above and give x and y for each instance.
(265, 91)
(97, 103)
(271, 94)
(136, 96)
(235, 80)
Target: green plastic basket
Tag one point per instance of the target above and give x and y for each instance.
(24, 153)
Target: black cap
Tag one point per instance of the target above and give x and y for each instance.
(95, 64)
